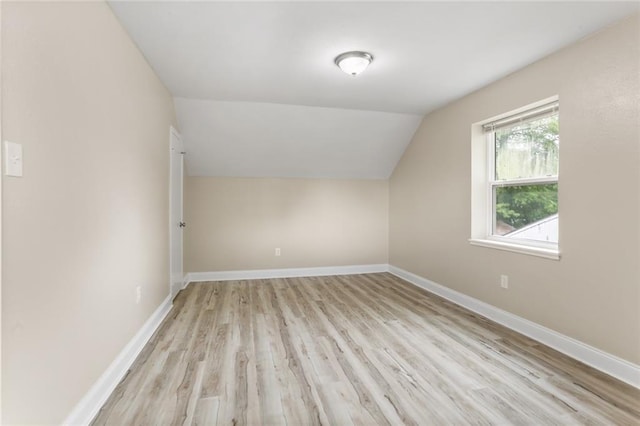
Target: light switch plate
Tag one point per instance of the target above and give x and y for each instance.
(12, 159)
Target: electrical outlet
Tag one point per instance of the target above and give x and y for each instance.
(504, 281)
(278, 251)
(138, 294)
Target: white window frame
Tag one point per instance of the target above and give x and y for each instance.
(483, 185)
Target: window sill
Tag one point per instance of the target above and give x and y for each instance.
(547, 253)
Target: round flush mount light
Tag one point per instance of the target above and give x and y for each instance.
(353, 63)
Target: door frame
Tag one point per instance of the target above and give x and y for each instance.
(174, 136)
(1, 183)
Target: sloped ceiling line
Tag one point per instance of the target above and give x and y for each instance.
(258, 94)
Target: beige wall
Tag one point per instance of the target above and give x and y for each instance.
(591, 294)
(235, 224)
(88, 222)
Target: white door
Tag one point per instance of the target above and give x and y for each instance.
(175, 212)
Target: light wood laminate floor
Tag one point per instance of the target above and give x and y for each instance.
(361, 349)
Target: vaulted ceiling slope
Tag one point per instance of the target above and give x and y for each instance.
(291, 140)
(257, 92)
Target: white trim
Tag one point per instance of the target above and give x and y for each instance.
(610, 364)
(84, 412)
(530, 114)
(547, 253)
(185, 281)
(522, 181)
(623, 370)
(528, 107)
(175, 144)
(285, 273)
(483, 183)
(1, 212)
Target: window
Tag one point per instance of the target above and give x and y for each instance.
(521, 181)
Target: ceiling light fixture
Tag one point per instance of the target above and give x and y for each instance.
(353, 63)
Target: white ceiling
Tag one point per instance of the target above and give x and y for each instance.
(260, 54)
(260, 139)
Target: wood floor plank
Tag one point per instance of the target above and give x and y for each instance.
(206, 413)
(351, 350)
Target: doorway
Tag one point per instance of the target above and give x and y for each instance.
(176, 221)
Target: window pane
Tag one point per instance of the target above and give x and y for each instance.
(527, 212)
(528, 150)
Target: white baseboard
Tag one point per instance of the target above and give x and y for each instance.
(185, 281)
(285, 273)
(90, 404)
(619, 368)
(610, 364)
